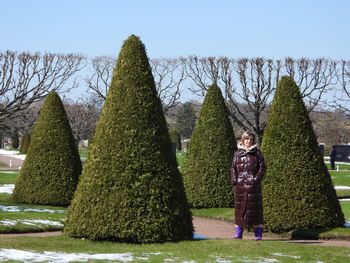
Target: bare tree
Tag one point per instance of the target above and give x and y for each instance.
(315, 77)
(101, 71)
(168, 74)
(342, 98)
(247, 85)
(26, 78)
(83, 116)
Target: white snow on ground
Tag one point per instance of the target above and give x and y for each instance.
(344, 199)
(19, 156)
(341, 187)
(6, 188)
(14, 154)
(62, 257)
(30, 222)
(5, 208)
(9, 172)
(6, 152)
(284, 255)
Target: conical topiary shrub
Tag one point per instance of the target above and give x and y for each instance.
(297, 189)
(52, 166)
(208, 160)
(25, 143)
(15, 139)
(130, 189)
(175, 138)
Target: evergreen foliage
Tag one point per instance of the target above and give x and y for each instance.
(130, 189)
(297, 189)
(208, 161)
(175, 138)
(25, 143)
(52, 166)
(15, 139)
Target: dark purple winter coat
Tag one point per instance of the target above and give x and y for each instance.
(248, 169)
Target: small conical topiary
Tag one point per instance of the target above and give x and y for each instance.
(25, 143)
(208, 160)
(15, 139)
(175, 138)
(52, 166)
(297, 188)
(130, 189)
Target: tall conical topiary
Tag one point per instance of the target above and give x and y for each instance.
(130, 189)
(52, 166)
(208, 160)
(297, 188)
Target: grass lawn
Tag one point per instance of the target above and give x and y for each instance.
(187, 251)
(340, 178)
(8, 177)
(342, 166)
(83, 152)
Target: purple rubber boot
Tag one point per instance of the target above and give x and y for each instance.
(239, 232)
(258, 233)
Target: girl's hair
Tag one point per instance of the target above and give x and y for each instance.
(246, 135)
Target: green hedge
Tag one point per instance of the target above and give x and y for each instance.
(175, 138)
(131, 189)
(297, 189)
(25, 143)
(209, 157)
(52, 166)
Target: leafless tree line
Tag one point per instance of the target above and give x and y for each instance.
(248, 84)
(168, 74)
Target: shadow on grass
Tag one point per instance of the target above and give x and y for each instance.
(342, 233)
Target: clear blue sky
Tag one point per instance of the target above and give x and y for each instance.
(235, 28)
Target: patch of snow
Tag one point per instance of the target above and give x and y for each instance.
(6, 152)
(284, 255)
(62, 257)
(347, 224)
(8, 172)
(341, 187)
(4, 208)
(254, 260)
(30, 222)
(222, 260)
(8, 222)
(344, 199)
(7, 188)
(20, 156)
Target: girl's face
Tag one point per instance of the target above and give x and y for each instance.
(248, 142)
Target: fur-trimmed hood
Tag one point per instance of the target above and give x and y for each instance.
(250, 149)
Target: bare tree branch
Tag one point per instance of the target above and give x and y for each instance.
(169, 75)
(26, 78)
